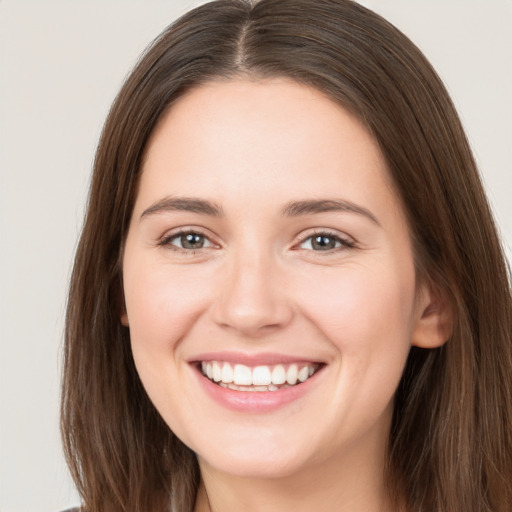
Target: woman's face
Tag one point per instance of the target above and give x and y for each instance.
(268, 249)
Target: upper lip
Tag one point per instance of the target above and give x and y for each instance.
(263, 358)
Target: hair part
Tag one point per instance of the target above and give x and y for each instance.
(451, 440)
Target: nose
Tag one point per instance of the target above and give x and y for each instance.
(252, 298)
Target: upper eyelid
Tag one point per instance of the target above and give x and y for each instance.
(346, 242)
(169, 235)
(324, 231)
(300, 238)
(185, 230)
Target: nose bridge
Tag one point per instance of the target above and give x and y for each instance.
(252, 298)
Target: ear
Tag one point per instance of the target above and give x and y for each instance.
(434, 319)
(121, 306)
(124, 319)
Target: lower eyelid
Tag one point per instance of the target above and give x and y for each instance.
(167, 239)
(343, 242)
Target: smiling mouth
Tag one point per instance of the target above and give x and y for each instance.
(240, 377)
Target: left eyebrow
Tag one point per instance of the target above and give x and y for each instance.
(187, 204)
(312, 206)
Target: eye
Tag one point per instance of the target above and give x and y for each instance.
(187, 241)
(324, 242)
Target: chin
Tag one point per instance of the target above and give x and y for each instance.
(266, 458)
(256, 467)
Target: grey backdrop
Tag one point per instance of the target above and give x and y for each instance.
(61, 63)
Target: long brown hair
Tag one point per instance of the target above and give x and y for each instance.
(450, 445)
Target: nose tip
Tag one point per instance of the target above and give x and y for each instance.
(252, 302)
(248, 322)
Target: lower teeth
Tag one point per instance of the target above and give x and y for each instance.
(270, 387)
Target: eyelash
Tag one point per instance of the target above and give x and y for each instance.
(344, 243)
(166, 241)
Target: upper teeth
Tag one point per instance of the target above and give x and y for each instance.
(242, 375)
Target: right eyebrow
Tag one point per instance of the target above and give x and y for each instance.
(187, 204)
(312, 206)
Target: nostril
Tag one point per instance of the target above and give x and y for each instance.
(252, 298)
(252, 317)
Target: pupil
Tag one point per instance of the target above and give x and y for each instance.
(323, 243)
(192, 241)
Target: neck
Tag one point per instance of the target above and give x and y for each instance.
(344, 483)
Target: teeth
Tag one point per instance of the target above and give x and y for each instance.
(217, 372)
(279, 374)
(259, 378)
(271, 387)
(227, 373)
(303, 374)
(242, 376)
(292, 374)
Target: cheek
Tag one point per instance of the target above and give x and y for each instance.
(366, 313)
(161, 300)
(163, 304)
(361, 297)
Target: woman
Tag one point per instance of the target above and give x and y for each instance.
(289, 292)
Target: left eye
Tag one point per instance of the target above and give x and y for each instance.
(188, 241)
(323, 242)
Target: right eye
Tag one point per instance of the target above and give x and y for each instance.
(187, 241)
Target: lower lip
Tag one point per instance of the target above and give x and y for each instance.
(255, 401)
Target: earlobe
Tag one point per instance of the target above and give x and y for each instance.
(124, 319)
(122, 307)
(434, 323)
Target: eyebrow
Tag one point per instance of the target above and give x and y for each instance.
(291, 209)
(308, 207)
(187, 204)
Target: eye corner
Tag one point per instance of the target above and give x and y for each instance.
(324, 241)
(190, 241)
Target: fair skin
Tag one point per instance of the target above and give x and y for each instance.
(296, 253)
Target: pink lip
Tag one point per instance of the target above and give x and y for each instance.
(254, 401)
(264, 358)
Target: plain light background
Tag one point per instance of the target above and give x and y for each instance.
(61, 64)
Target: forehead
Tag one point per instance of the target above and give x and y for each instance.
(272, 138)
(280, 105)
